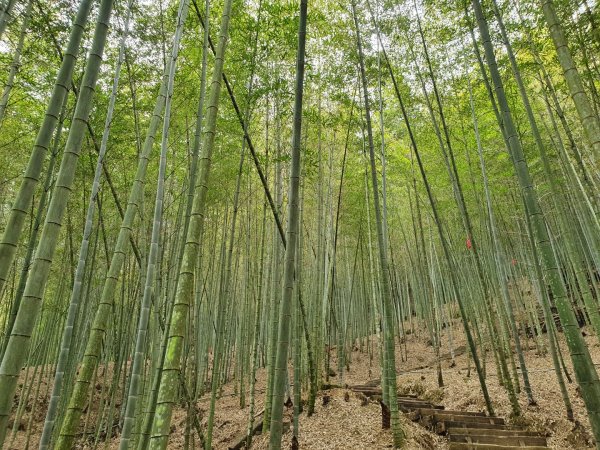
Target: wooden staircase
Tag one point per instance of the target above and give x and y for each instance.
(464, 429)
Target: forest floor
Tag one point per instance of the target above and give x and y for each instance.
(345, 422)
(344, 425)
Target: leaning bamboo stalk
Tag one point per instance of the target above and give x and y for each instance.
(142, 328)
(18, 213)
(100, 323)
(285, 308)
(167, 394)
(389, 366)
(15, 354)
(75, 299)
(585, 372)
(16, 62)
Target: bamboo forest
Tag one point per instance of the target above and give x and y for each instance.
(299, 224)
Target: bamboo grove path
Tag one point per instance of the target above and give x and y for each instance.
(465, 430)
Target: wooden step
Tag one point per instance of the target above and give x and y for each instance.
(413, 400)
(418, 403)
(413, 409)
(463, 446)
(413, 406)
(375, 390)
(442, 426)
(410, 398)
(495, 431)
(364, 388)
(465, 419)
(434, 411)
(488, 438)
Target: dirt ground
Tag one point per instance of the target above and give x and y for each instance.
(346, 422)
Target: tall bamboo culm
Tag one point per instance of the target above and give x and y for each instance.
(585, 372)
(22, 203)
(169, 382)
(16, 351)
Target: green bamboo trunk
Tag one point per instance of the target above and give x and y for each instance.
(16, 62)
(587, 116)
(285, 308)
(21, 206)
(16, 351)
(167, 395)
(389, 366)
(100, 323)
(585, 371)
(65, 350)
(37, 224)
(142, 329)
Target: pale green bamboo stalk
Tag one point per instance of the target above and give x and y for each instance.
(297, 346)
(587, 116)
(100, 322)
(16, 62)
(225, 294)
(22, 203)
(256, 333)
(285, 308)
(274, 301)
(167, 395)
(140, 340)
(75, 299)
(15, 354)
(389, 372)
